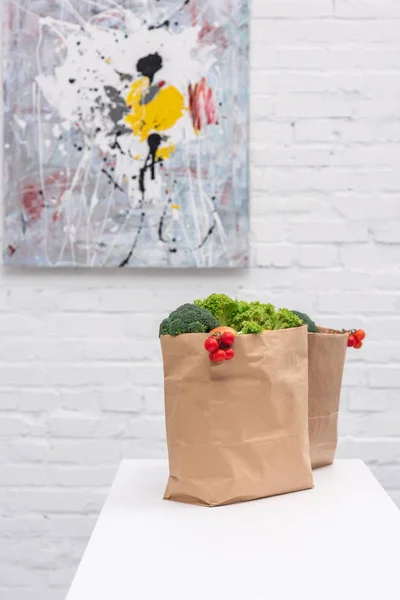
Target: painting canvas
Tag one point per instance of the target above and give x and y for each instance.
(126, 133)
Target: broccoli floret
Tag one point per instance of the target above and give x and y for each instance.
(197, 327)
(312, 328)
(164, 328)
(285, 319)
(178, 311)
(190, 313)
(221, 306)
(251, 327)
(188, 319)
(178, 327)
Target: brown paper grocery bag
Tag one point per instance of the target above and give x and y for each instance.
(326, 358)
(238, 430)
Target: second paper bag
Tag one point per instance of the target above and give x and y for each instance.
(237, 431)
(326, 356)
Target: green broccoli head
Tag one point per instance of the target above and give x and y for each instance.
(179, 326)
(188, 319)
(312, 328)
(164, 327)
(221, 306)
(285, 319)
(250, 327)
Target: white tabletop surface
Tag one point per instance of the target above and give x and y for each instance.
(340, 541)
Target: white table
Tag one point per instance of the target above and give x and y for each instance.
(340, 541)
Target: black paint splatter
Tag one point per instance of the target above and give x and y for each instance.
(112, 180)
(149, 65)
(209, 234)
(167, 23)
(164, 24)
(125, 262)
(161, 223)
(154, 141)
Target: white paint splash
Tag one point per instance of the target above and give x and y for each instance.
(94, 59)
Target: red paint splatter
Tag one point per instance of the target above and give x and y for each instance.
(193, 13)
(226, 194)
(11, 250)
(182, 171)
(33, 196)
(32, 201)
(58, 185)
(206, 30)
(202, 103)
(213, 35)
(114, 18)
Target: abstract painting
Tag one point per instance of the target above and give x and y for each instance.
(126, 133)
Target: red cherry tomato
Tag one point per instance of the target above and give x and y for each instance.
(218, 356)
(230, 354)
(360, 335)
(352, 341)
(358, 345)
(211, 344)
(228, 338)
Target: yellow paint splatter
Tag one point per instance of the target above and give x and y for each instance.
(164, 153)
(160, 114)
(138, 88)
(108, 60)
(176, 206)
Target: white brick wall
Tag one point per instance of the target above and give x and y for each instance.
(80, 370)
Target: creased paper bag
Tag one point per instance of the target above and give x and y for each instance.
(326, 359)
(237, 431)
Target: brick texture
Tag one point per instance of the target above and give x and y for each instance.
(80, 364)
